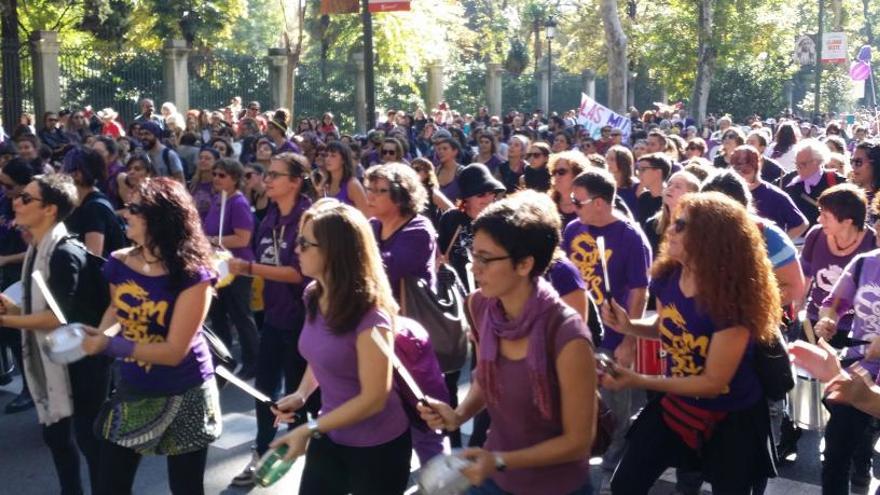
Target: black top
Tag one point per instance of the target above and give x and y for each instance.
(807, 203)
(95, 214)
(771, 171)
(458, 255)
(537, 178)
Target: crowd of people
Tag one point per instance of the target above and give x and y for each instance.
(646, 272)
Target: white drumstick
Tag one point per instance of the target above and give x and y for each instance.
(222, 215)
(395, 362)
(37, 277)
(600, 244)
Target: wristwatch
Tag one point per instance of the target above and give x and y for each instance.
(312, 425)
(500, 465)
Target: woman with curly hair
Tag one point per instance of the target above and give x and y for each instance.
(166, 401)
(713, 313)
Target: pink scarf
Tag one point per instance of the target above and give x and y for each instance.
(531, 323)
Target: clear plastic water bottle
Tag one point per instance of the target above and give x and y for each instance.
(273, 467)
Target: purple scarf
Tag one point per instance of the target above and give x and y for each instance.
(531, 323)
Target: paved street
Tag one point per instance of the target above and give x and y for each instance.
(26, 467)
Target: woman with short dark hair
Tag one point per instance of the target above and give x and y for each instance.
(535, 371)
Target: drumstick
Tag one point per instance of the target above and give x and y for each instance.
(222, 214)
(37, 277)
(808, 330)
(600, 243)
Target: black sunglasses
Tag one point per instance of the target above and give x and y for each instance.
(135, 208)
(389, 152)
(26, 198)
(304, 243)
(220, 175)
(560, 172)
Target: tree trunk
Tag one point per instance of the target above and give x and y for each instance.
(869, 32)
(707, 53)
(618, 64)
(837, 12)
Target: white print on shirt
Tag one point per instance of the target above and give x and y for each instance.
(867, 309)
(269, 257)
(827, 277)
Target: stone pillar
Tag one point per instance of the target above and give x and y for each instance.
(435, 84)
(543, 79)
(589, 77)
(664, 95)
(788, 94)
(493, 88)
(281, 80)
(47, 92)
(177, 73)
(360, 93)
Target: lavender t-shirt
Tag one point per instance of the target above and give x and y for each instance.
(276, 240)
(408, 252)
(517, 422)
(686, 334)
(334, 362)
(203, 195)
(774, 204)
(238, 216)
(627, 255)
(144, 307)
(824, 267)
(863, 298)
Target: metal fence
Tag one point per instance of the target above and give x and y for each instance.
(330, 88)
(109, 79)
(215, 77)
(27, 83)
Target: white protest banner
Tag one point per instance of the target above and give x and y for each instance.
(594, 117)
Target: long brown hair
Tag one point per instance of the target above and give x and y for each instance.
(356, 281)
(725, 250)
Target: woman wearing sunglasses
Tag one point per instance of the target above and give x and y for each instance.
(536, 175)
(339, 178)
(288, 185)
(360, 442)
(233, 300)
(166, 401)
(535, 371)
(712, 415)
(865, 164)
(564, 167)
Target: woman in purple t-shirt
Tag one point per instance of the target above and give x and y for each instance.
(233, 301)
(341, 181)
(201, 186)
(711, 316)
(535, 371)
(166, 401)
(361, 440)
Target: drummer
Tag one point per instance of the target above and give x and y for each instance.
(235, 234)
(855, 290)
(67, 397)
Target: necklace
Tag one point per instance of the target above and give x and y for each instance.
(845, 248)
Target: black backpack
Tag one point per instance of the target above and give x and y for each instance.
(92, 290)
(116, 238)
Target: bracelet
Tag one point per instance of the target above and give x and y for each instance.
(119, 347)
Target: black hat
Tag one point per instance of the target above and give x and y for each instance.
(476, 179)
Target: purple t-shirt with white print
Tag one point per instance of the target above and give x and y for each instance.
(863, 297)
(627, 254)
(824, 267)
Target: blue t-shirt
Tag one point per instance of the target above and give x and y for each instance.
(780, 249)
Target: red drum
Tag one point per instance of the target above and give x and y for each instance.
(650, 357)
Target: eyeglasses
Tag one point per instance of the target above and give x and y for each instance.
(561, 172)
(272, 175)
(388, 152)
(857, 162)
(220, 175)
(135, 208)
(580, 203)
(482, 261)
(534, 155)
(304, 243)
(678, 225)
(26, 198)
(376, 190)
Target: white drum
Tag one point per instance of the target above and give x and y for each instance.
(805, 400)
(64, 344)
(442, 476)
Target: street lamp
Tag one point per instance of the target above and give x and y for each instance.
(550, 25)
